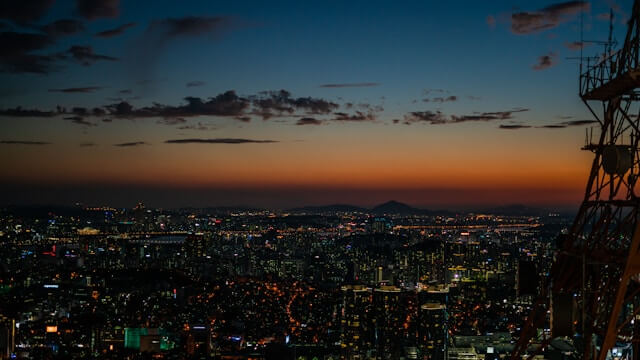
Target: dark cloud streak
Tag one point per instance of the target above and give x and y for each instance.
(87, 89)
(131, 144)
(23, 142)
(547, 17)
(309, 121)
(220, 141)
(115, 31)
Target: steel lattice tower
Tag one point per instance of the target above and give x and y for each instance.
(598, 262)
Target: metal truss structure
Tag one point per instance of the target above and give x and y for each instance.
(597, 265)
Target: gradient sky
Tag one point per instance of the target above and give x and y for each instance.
(437, 104)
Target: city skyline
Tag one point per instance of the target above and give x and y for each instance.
(289, 104)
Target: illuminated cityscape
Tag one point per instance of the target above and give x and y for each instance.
(315, 180)
(325, 283)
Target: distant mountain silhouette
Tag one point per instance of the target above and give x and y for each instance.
(395, 207)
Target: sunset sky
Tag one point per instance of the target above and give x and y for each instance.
(289, 103)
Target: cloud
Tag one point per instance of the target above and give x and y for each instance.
(426, 92)
(431, 117)
(24, 11)
(85, 55)
(227, 104)
(172, 121)
(87, 89)
(23, 142)
(195, 83)
(63, 27)
(565, 124)
(344, 85)
(130, 144)
(575, 45)
(95, 9)
(20, 112)
(220, 141)
(161, 33)
(125, 91)
(115, 31)
(187, 26)
(199, 126)
(357, 116)
(545, 62)
(276, 103)
(441, 99)
(547, 17)
(309, 121)
(79, 120)
(17, 53)
(579, 122)
(438, 118)
(491, 21)
(87, 144)
(513, 126)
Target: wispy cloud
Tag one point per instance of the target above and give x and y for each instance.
(545, 61)
(219, 141)
(115, 31)
(87, 89)
(357, 116)
(309, 121)
(23, 142)
(528, 22)
(439, 118)
(441, 99)
(131, 144)
(575, 45)
(565, 124)
(79, 120)
(86, 56)
(513, 126)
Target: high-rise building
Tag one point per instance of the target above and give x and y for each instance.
(389, 320)
(356, 323)
(432, 330)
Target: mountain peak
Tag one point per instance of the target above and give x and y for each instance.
(395, 207)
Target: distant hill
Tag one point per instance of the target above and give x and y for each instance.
(395, 207)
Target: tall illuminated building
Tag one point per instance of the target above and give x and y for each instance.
(389, 321)
(356, 322)
(432, 331)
